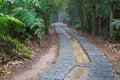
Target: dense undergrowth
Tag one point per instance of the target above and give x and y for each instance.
(21, 21)
(9, 45)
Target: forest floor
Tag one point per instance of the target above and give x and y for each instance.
(44, 53)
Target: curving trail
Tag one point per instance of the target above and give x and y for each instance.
(67, 67)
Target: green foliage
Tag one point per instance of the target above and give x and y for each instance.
(36, 3)
(7, 21)
(29, 18)
(53, 17)
(25, 20)
(7, 28)
(12, 27)
(77, 26)
(94, 16)
(18, 45)
(116, 23)
(116, 35)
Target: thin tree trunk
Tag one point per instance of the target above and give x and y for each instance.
(94, 20)
(85, 23)
(99, 25)
(81, 19)
(81, 16)
(111, 17)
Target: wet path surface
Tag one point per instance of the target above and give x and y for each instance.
(67, 67)
(78, 50)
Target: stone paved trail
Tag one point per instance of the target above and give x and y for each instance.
(100, 67)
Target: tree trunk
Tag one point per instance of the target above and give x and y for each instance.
(94, 19)
(81, 21)
(99, 25)
(111, 17)
(81, 16)
(85, 23)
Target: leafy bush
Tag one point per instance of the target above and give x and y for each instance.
(116, 36)
(24, 51)
(78, 26)
(29, 18)
(116, 23)
(116, 33)
(8, 26)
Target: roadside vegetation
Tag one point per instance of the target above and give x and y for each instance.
(22, 22)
